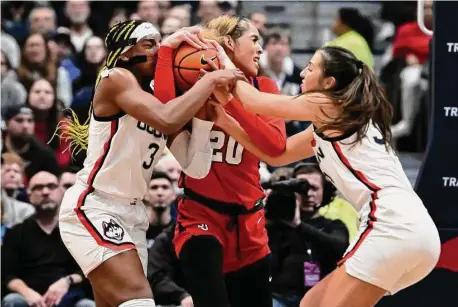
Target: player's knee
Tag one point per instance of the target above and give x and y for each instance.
(138, 303)
(137, 289)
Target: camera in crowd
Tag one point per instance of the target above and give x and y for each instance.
(281, 203)
(294, 185)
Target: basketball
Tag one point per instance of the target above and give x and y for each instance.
(187, 63)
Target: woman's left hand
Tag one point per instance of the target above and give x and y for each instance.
(190, 35)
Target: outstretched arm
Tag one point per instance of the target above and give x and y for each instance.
(305, 107)
(298, 147)
(168, 118)
(267, 133)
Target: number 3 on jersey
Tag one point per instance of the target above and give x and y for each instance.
(234, 150)
(155, 148)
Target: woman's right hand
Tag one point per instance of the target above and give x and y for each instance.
(217, 114)
(223, 58)
(190, 35)
(225, 78)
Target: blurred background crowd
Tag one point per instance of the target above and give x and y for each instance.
(51, 52)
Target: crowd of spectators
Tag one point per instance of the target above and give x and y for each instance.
(51, 53)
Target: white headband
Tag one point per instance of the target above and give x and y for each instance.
(145, 30)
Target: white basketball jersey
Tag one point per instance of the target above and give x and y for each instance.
(121, 155)
(359, 170)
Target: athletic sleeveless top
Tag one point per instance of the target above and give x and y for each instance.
(360, 170)
(121, 154)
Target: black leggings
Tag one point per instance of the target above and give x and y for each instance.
(202, 262)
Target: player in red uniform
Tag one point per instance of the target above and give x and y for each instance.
(220, 236)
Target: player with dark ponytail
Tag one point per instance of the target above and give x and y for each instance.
(398, 243)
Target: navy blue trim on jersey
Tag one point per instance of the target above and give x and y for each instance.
(108, 118)
(333, 138)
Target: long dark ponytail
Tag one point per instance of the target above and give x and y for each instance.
(357, 94)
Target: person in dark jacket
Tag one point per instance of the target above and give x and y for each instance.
(164, 272)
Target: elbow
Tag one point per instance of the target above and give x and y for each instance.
(167, 125)
(277, 148)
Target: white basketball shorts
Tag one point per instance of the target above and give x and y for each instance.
(95, 226)
(398, 243)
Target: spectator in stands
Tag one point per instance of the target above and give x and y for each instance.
(208, 9)
(47, 114)
(355, 33)
(304, 250)
(171, 167)
(322, 192)
(78, 12)
(148, 10)
(13, 176)
(161, 195)
(11, 50)
(164, 6)
(90, 60)
(411, 44)
(15, 209)
(37, 63)
(13, 92)
(181, 12)
(119, 15)
(19, 138)
(170, 26)
(67, 178)
(63, 52)
(14, 18)
(42, 19)
(37, 269)
(259, 20)
(164, 272)
(278, 65)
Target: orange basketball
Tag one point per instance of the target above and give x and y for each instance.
(187, 64)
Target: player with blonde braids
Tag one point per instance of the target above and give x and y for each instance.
(102, 218)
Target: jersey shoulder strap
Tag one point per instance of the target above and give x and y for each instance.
(256, 83)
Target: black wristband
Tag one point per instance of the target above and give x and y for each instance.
(71, 282)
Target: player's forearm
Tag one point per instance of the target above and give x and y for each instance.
(297, 147)
(19, 286)
(180, 110)
(193, 151)
(260, 102)
(164, 85)
(268, 138)
(233, 128)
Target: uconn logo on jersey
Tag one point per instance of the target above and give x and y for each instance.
(150, 130)
(154, 146)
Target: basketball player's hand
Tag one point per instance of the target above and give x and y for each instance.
(33, 298)
(225, 78)
(223, 58)
(219, 116)
(56, 292)
(187, 302)
(190, 35)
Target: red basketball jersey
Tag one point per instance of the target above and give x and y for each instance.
(234, 175)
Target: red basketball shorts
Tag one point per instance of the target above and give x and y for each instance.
(195, 219)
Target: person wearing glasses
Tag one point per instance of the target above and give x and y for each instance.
(37, 269)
